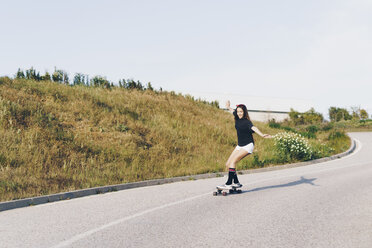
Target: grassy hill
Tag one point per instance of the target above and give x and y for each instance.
(56, 138)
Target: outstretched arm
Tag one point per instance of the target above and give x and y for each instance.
(228, 107)
(257, 131)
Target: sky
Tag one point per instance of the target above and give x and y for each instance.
(318, 51)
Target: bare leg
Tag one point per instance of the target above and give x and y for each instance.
(236, 157)
(233, 154)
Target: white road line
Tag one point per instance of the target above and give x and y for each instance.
(122, 220)
(90, 232)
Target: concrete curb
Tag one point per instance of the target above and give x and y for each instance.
(99, 190)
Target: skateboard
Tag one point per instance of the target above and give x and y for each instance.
(224, 191)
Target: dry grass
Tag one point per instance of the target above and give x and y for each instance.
(56, 138)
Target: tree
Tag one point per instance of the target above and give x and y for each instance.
(65, 78)
(337, 114)
(296, 117)
(332, 112)
(355, 113)
(46, 77)
(122, 83)
(99, 81)
(215, 104)
(363, 114)
(308, 117)
(79, 79)
(131, 84)
(312, 117)
(57, 76)
(149, 86)
(20, 73)
(31, 74)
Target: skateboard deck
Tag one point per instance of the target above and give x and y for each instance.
(224, 191)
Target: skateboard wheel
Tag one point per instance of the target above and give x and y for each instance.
(215, 193)
(224, 193)
(239, 191)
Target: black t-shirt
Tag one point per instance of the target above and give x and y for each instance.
(244, 131)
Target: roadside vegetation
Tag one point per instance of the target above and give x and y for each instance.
(355, 120)
(58, 135)
(302, 137)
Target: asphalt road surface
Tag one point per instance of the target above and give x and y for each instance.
(321, 205)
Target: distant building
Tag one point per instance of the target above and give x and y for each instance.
(265, 116)
(259, 108)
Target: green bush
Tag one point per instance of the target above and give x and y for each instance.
(322, 150)
(292, 146)
(327, 127)
(309, 135)
(122, 128)
(308, 117)
(312, 129)
(289, 129)
(367, 121)
(80, 79)
(338, 114)
(336, 135)
(99, 81)
(311, 117)
(257, 162)
(20, 74)
(57, 76)
(274, 124)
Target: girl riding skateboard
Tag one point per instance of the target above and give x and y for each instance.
(244, 129)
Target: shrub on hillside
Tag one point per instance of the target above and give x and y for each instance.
(363, 114)
(327, 127)
(312, 117)
(46, 77)
(131, 84)
(338, 114)
(291, 146)
(32, 74)
(312, 129)
(257, 162)
(336, 135)
(310, 132)
(20, 73)
(289, 129)
(274, 124)
(308, 117)
(57, 76)
(99, 81)
(81, 79)
(322, 150)
(309, 135)
(215, 104)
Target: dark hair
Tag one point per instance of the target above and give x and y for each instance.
(244, 108)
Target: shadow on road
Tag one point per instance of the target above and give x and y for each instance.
(301, 181)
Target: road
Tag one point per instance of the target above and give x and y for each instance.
(321, 205)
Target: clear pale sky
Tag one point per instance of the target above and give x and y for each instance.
(318, 50)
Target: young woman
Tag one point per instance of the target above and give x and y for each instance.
(245, 130)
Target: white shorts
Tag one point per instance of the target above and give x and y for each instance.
(249, 148)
